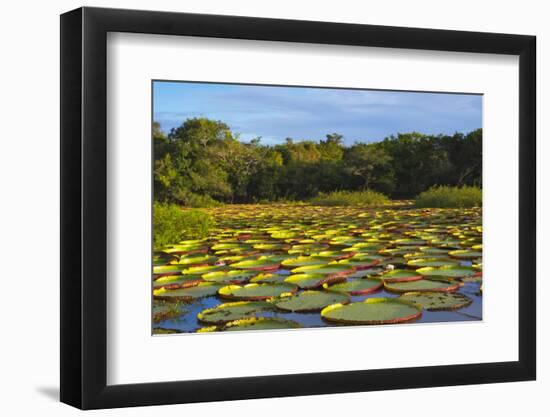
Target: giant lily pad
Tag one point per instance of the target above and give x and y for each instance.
(261, 323)
(303, 261)
(465, 254)
(257, 265)
(227, 312)
(161, 270)
(233, 277)
(435, 301)
(329, 269)
(401, 275)
(431, 262)
(361, 263)
(176, 281)
(309, 281)
(269, 278)
(422, 285)
(372, 311)
(197, 260)
(201, 270)
(310, 300)
(203, 289)
(356, 286)
(453, 271)
(255, 291)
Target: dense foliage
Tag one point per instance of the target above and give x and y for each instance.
(173, 224)
(202, 162)
(450, 197)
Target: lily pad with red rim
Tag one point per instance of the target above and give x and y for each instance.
(401, 275)
(310, 281)
(437, 301)
(359, 286)
(422, 285)
(233, 276)
(310, 300)
(256, 291)
(257, 265)
(372, 311)
(227, 312)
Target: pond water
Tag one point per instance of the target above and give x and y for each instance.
(392, 236)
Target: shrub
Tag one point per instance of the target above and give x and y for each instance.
(190, 199)
(172, 224)
(450, 197)
(350, 198)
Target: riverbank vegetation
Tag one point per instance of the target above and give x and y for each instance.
(202, 163)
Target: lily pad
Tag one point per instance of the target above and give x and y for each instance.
(465, 254)
(311, 300)
(269, 278)
(160, 270)
(203, 289)
(453, 271)
(372, 311)
(431, 262)
(329, 269)
(197, 260)
(435, 301)
(201, 270)
(257, 265)
(261, 323)
(176, 281)
(303, 261)
(422, 285)
(256, 291)
(227, 312)
(360, 263)
(309, 281)
(233, 277)
(401, 275)
(357, 286)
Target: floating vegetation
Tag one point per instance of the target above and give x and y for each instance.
(356, 286)
(310, 300)
(278, 265)
(372, 311)
(436, 301)
(422, 285)
(256, 291)
(227, 312)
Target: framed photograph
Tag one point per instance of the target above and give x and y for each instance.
(257, 208)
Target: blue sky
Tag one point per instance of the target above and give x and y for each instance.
(275, 113)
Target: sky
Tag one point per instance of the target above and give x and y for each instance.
(275, 113)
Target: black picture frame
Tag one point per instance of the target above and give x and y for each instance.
(84, 207)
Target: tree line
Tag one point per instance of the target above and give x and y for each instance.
(202, 162)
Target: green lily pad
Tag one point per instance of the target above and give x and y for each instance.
(453, 271)
(203, 289)
(435, 301)
(309, 281)
(165, 310)
(310, 300)
(257, 265)
(230, 246)
(303, 261)
(261, 323)
(360, 263)
(421, 285)
(372, 311)
(431, 262)
(227, 312)
(269, 278)
(332, 269)
(233, 277)
(256, 291)
(307, 248)
(271, 246)
(465, 254)
(197, 259)
(201, 270)
(401, 275)
(357, 286)
(176, 281)
(167, 270)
